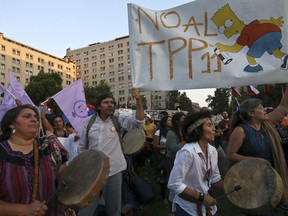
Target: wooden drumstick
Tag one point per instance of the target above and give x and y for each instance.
(63, 185)
(236, 188)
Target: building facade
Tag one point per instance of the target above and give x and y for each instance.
(25, 61)
(110, 61)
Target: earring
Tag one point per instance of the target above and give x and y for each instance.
(13, 130)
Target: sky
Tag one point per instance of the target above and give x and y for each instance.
(55, 25)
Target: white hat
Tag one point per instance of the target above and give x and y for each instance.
(148, 116)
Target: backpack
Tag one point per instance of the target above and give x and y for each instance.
(115, 122)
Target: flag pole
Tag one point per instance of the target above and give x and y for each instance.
(5, 89)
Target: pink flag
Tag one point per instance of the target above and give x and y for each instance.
(252, 90)
(72, 102)
(18, 91)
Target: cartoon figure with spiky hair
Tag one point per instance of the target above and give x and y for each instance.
(259, 35)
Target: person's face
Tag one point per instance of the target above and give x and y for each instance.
(208, 131)
(58, 123)
(106, 107)
(26, 122)
(169, 122)
(225, 115)
(181, 120)
(259, 113)
(70, 130)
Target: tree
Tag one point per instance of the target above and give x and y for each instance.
(43, 85)
(185, 103)
(176, 99)
(92, 92)
(220, 101)
(173, 98)
(274, 95)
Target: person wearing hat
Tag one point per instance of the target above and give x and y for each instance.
(149, 127)
(104, 137)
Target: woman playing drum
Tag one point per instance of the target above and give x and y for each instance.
(195, 168)
(28, 166)
(253, 136)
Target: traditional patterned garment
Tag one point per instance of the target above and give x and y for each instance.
(17, 176)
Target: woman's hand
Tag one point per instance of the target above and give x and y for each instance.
(209, 201)
(36, 208)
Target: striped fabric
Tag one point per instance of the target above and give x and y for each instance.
(17, 174)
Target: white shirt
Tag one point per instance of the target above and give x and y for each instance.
(104, 137)
(189, 170)
(71, 146)
(162, 141)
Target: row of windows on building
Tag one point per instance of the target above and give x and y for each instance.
(101, 56)
(102, 68)
(30, 65)
(111, 60)
(111, 73)
(29, 57)
(30, 73)
(102, 49)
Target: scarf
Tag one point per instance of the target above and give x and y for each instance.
(278, 157)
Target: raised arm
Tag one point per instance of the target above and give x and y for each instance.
(139, 109)
(46, 124)
(281, 109)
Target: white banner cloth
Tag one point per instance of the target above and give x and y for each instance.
(199, 45)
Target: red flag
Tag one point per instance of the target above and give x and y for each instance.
(90, 107)
(266, 90)
(252, 90)
(235, 92)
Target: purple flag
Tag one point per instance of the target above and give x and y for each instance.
(72, 102)
(8, 102)
(2, 88)
(18, 90)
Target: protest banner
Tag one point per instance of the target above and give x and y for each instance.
(209, 44)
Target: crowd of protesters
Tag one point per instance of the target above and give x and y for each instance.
(181, 149)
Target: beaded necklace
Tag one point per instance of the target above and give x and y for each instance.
(36, 170)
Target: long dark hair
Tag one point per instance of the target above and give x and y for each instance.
(163, 126)
(175, 124)
(10, 117)
(242, 114)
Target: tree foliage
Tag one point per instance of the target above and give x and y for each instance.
(175, 98)
(43, 85)
(92, 92)
(220, 101)
(185, 103)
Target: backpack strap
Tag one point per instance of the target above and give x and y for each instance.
(90, 123)
(118, 128)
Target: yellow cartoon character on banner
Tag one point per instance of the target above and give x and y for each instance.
(259, 36)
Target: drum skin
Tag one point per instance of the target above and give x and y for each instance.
(87, 174)
(133, 141)
(261, 186)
